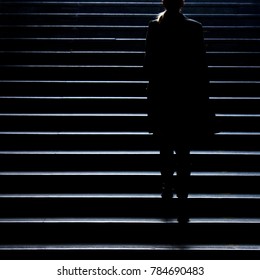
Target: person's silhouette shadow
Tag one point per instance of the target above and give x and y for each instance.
(178, 93)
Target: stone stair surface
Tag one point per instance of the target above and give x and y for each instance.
(79, 169)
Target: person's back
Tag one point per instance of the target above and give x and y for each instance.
(176, 66)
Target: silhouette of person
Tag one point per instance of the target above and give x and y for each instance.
(177, 72)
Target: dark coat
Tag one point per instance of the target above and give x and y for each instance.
(176, 68)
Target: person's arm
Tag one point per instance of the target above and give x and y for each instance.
(150, 45)
(202, 55)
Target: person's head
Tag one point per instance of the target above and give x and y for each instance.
(173, 5)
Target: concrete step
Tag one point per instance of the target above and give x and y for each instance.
(128, 161)
(123, 1)
(115, 57)
(42, 104)
(85, 88)
(113, 72)
(105, 141)
(113, 104)
(130, 251)
(72, 104)
(132, 232)
(120, 44)
(112, 31)
(138, 183)
(125, 7)
(125, 208)
(121, 19)
(111, 122)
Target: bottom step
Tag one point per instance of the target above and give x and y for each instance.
(126, 251)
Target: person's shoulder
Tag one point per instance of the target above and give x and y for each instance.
(153, 23)
(193, 23)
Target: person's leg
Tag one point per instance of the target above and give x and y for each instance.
(183, 169)
(166, 166)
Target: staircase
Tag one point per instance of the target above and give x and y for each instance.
(79, 170)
